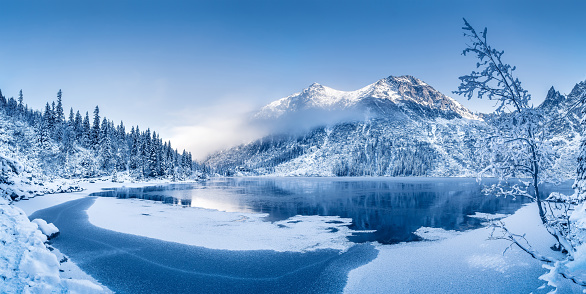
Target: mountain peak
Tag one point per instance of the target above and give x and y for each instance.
(578, 89)
(552, 94)
(315, 85)
(396, 90)
(406, 79)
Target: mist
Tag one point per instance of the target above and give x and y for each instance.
(219, 128)
(214, 129)
(304, 120)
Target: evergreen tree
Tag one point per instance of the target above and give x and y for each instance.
(51, 118)
(59, 118)
(20, 101)
(86, 133)
(59, 115)
(44, 127)
(48, 115)
(78, 126)
(2, 100)
(105, 150)
(134, 161)
(71, 120)
(95, 134)
(145, 152)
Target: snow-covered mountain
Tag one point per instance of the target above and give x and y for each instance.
(564, 129)
(381, 98)
(399, 126)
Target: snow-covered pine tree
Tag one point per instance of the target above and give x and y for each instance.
(77, 126)
(2, 100)
(59, 118)
(59, 115)
(145, 153)
(71, 120)
(86, 132)
(95, 134)
(20, 102)
(74, 155)
(44, 127)
(134, 161)
(52, 118)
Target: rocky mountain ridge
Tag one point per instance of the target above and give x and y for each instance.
(403, 127)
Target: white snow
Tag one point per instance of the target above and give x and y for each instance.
(319, 96)
(82, 287)
(95, 185)
(434, 234)
(48, 229)
(464, 263)
(26, 263)
(217, 229)
(455, 262)
(488, 216)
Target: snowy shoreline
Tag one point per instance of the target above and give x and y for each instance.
(455, 262)
(466, 262)
(30, 264)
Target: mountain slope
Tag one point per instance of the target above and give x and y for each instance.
(398, 126)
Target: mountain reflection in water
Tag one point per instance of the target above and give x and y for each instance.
(394, 207)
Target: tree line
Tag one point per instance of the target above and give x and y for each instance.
(74, 146)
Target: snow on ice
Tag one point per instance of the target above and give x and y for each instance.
(219, 230)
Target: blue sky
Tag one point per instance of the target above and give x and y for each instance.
(191, 69)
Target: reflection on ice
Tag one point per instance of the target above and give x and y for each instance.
(393, 207)
(213, 204)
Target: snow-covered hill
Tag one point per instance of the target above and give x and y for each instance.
(398, 126)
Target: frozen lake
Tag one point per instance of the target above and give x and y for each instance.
(394, 207)
(133, 262)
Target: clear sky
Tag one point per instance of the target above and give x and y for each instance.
(192, 69)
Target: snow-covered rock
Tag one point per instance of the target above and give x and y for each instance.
(48, 229)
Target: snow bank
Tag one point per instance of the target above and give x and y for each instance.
(26, 263)
(219, 230)
(49, 230)
(31, 205)
(465, 263)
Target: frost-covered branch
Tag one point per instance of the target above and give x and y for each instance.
(521, 242)
(519, 147)
(495, 79)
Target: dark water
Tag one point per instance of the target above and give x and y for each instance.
(394, 207)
